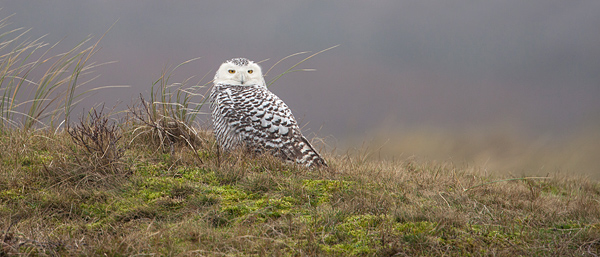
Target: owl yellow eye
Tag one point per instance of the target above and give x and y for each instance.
(250, 71)
(231, 71)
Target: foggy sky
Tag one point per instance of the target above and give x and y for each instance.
(455, 64)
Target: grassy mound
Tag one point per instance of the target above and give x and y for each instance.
(58, 198)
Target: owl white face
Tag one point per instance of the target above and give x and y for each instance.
(239, 71)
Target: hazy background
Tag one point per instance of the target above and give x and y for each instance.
(509, 86)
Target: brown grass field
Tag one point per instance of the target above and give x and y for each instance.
(58, 198)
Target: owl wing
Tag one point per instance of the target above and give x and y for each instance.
(278, 130)
(265, 123)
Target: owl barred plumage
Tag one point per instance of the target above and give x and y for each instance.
(246, 114)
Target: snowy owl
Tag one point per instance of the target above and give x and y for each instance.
(246, 114)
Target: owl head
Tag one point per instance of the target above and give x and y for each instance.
(241, 72)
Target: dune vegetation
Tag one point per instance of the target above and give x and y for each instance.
(149, 181)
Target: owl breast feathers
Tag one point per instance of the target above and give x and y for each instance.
(251, 116)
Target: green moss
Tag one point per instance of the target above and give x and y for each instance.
(149, 197)
(154, 196)
(354, 236)
(320, 191)
(11, 194)
(229, 194)
(234, 202)
(421, 227)
(198, 175)
(152, 188)
(94, 210)
(34, 160)
(275, 207)
(568, 225)
(236, 211)
(491, 236)
(364, 234)
(150, 169)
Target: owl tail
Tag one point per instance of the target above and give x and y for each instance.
(308, 156)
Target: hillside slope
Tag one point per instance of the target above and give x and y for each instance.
(58, 197)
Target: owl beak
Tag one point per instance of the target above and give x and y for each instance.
(242, 78)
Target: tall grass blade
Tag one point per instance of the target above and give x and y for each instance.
(291, 69)
(46, 101)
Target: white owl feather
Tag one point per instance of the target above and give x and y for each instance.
(246, 114)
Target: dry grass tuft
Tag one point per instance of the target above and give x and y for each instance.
(163, 131)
